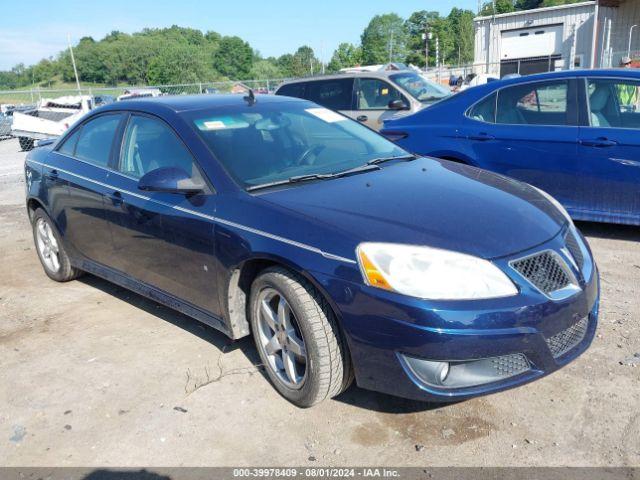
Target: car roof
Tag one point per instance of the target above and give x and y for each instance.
(184, 103)
(602, 72)
(378, 74)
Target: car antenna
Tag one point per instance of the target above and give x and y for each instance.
(251, 98)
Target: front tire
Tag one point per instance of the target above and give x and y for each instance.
(51, 252)
(297, 337)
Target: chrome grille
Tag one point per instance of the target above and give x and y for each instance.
(574, 248)
(510, 365)
(567, 339)
(544, 271)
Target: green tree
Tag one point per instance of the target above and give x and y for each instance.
(502, 6)
(527, 4)
(384, 40)
(418, 24)
(346, 55)
(179, 63)
(233, 58)
(265, 70)
(555, 3)
(460, 23)
(304, 62)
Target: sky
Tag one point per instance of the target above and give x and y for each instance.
(37, 29)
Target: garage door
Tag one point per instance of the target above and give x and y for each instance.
(531, 42)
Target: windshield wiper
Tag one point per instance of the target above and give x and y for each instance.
(294, 179)
(317, 176)
(379, 160)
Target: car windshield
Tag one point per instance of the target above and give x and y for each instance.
(420, 88)
(270, 142)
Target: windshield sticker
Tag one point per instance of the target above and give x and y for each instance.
(222, 123)
(326, 115)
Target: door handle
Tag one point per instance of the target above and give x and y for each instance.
(599, 142)
(481, 137)
(362, 118)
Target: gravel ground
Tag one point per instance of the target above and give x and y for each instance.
(91, 374)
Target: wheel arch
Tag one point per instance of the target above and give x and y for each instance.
(238, 290)
(33, 204)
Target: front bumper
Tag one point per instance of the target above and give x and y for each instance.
(385, 329)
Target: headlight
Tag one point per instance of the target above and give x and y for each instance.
(556, 203)
(431, 273)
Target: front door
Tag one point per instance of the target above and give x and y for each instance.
(609, 149)
(372, 98)
(161, 239)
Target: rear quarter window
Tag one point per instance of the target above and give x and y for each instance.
(484, 110)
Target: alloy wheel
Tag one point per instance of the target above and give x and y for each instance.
(280, 338)
(47, 245)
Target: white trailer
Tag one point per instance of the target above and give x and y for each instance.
(50, 119)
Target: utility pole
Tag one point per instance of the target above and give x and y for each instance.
(438, 57)
(73, 62)
(425, 38)
(391, 46)
(630, 36)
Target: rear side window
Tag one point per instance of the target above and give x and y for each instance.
(336, 94)
(292, 90)
(533, 104)
(96, 138)
(614, 103)
(485, 110)
(69, 145)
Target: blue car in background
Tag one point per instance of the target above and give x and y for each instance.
(573, 134)
(341, 253)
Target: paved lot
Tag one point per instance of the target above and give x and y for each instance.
(91, 374)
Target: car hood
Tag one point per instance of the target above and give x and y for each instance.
(428, 202)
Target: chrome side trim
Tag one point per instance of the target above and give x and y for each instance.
(222, 221)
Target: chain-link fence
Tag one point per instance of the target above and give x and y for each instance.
(34, 95)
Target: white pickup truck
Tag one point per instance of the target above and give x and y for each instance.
(50, 119)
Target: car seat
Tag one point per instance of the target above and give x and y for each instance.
(598, 101)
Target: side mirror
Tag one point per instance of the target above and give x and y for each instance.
(398, 105)
(170, 180)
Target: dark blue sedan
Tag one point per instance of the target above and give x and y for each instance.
(574, 134)
(341, 253)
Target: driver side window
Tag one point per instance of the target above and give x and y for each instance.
(374, 94)
(150, 144)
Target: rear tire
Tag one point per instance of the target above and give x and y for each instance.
(51, 252)
(303, 351)
(26, 144)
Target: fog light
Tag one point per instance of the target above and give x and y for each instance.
(466, 373)
(434, 373)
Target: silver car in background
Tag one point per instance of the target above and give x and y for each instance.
(368, 97)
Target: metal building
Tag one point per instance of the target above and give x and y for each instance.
(581, 35)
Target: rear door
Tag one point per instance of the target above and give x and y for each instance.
(78, 185)
(609, 181)
(530, 134)
(161, 239)
(372, 97)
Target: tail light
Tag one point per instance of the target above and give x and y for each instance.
(394, 135)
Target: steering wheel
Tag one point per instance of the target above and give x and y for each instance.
(312, 150)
